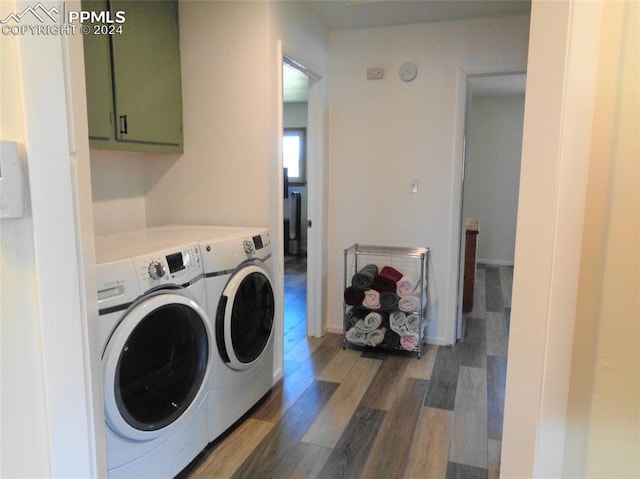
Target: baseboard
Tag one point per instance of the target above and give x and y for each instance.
(494, 262)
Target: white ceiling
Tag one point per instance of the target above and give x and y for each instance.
(340, 14)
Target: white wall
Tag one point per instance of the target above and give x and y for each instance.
(571, 405)
(492, 175)
(386, 132)
(117, 180)
(224, 175)
(603, 436)
(295, 115)
(22, 378)
(49, 361)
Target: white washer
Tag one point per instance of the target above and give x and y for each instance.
(157, 354)
(241, 302)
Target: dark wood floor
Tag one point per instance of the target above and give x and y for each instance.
(353, 413)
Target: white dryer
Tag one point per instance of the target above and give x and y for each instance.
(241, 302)
(157, 354)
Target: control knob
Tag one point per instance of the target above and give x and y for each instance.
(156, 270)
(248, 247)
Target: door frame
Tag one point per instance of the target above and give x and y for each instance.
(464, 93)
(316, 180)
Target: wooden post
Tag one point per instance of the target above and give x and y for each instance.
(472, 229)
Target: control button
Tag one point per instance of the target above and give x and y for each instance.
(248, 247)
(156, 270)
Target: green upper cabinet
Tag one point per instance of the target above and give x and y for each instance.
(134, 87)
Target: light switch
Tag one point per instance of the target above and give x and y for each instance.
(413, 185)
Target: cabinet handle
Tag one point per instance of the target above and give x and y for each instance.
(123, 124)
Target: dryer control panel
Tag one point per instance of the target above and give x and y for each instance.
(171, 266)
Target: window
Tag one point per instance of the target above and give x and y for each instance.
(294, 154)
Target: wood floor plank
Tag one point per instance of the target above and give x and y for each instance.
(390, 452)
(350, 454)
(293, 385)
(304, 462)
(333, 419)
(506, 282)
(507, 318)
(497, 334)
(422, 368)
(429, 453)
(469, 432)
(284, 437)
(494, 289)
(463, 471)
(340, 366)
(479, 294)
(444, 379)
(495, 448)
(474, 353)
(384, 387)
(304, 349)
(285, 394)
(496, 383)
(228, 455)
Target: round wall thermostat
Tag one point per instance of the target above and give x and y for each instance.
(408, 72)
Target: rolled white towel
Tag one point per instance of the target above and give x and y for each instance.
(355, 336)
(407, 285)
(409, 304)
(371, 299)
(370, 322)
(376, 337)
(413, 323)
(409, 341)
(398, 322)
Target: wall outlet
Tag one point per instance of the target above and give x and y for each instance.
(413, 185)
(374, 73)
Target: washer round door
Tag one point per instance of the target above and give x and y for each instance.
(156, 365)
(244, 319)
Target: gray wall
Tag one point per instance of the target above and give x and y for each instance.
(493, 174)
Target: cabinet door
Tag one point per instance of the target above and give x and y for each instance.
(97, 64)
(146, 71)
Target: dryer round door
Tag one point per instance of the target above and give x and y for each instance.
(155, 365)
(244, 320)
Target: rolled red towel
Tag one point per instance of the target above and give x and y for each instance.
(387, 279)
(353, 296)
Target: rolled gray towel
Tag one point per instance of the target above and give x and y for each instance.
(363, 279)
(389, 300)
(356, 336)
(376, 337)
(398, 322)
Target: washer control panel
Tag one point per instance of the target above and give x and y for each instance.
(172, 266)
(256, 244)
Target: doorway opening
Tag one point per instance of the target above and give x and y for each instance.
(304, 98)
(490, 185)
(295, 121)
